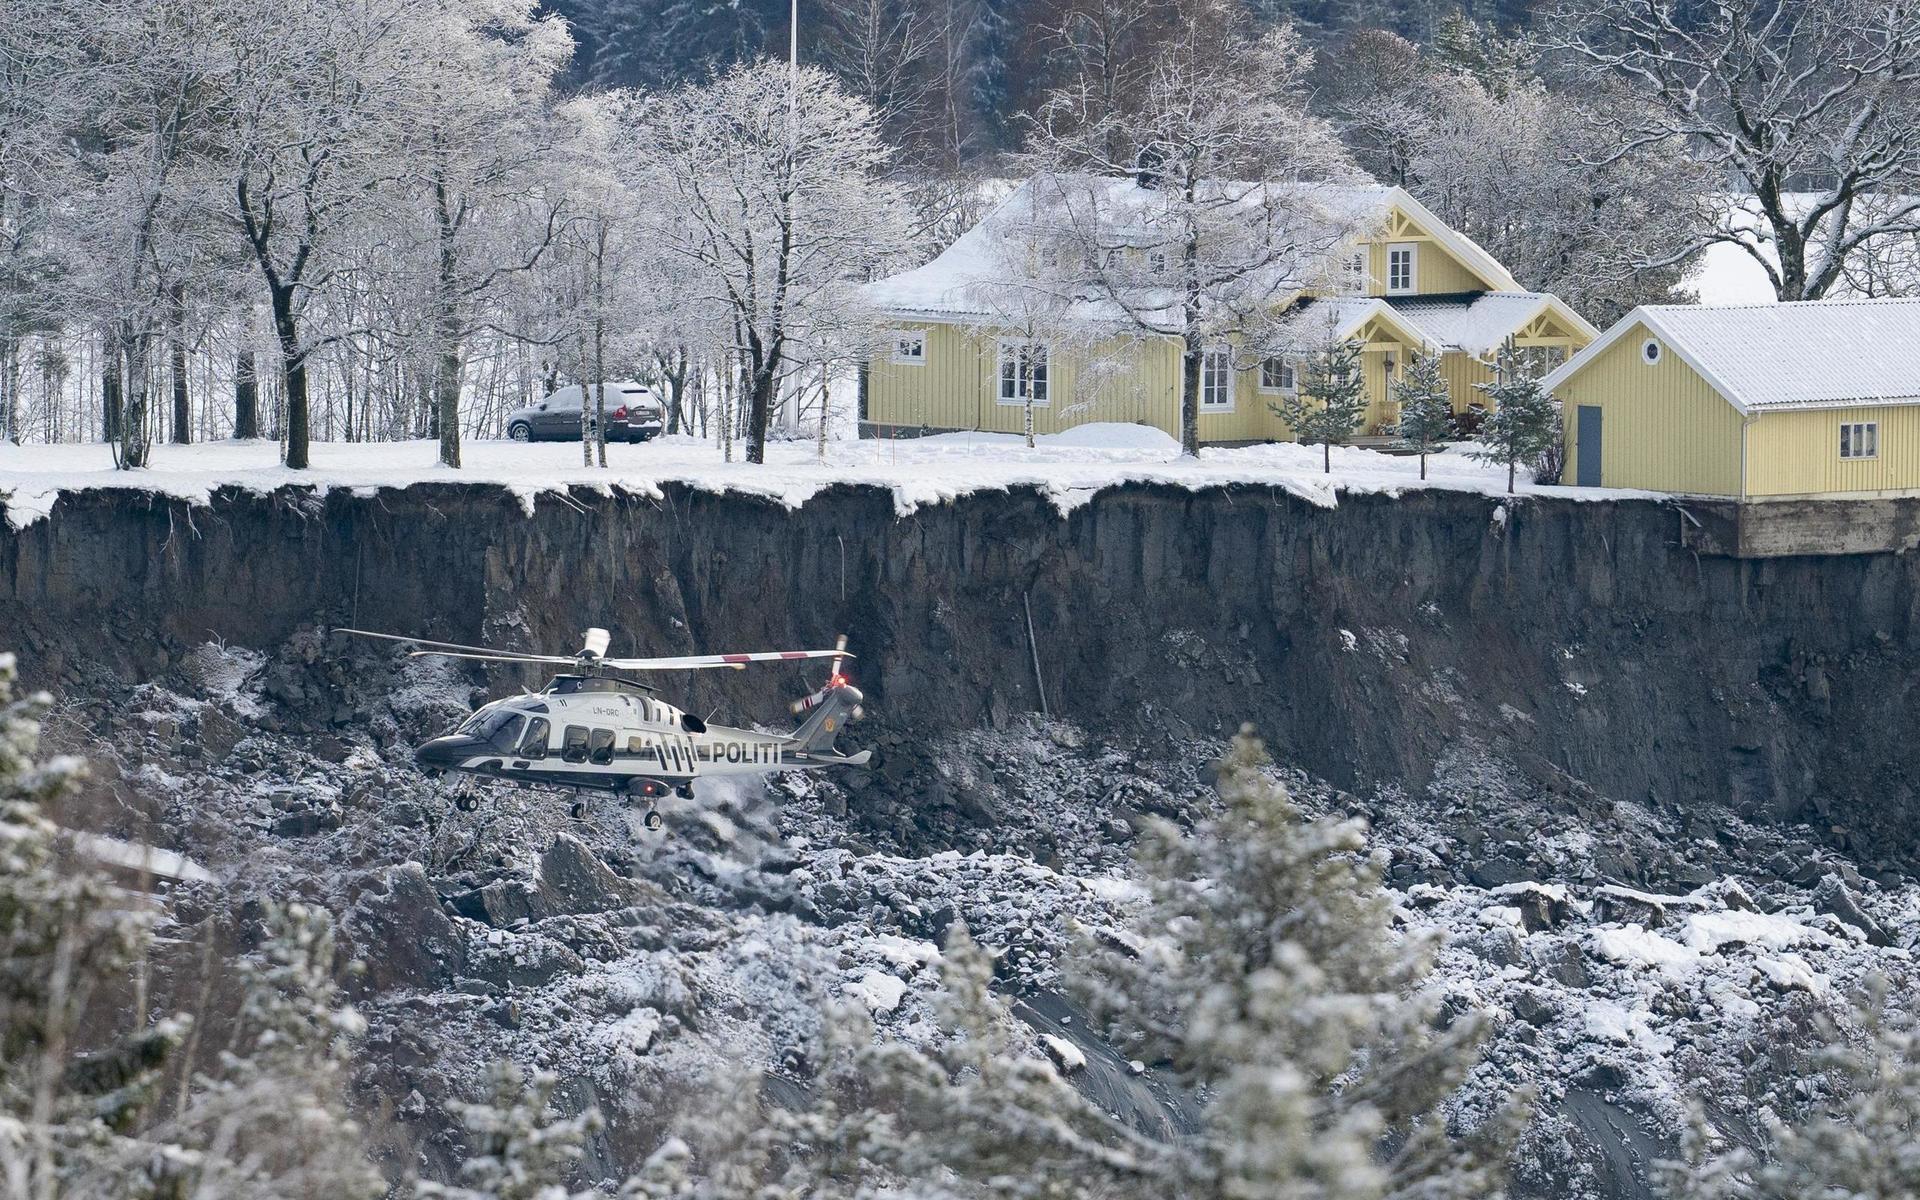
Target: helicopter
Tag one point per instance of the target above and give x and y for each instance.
(591, 730)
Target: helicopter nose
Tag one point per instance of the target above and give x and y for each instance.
(444, 753)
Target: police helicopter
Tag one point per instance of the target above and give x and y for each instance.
(591, 730)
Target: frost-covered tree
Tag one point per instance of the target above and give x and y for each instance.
(518, 1148)
(768, 189)
(974, 1114)
(1331, 400)
(1808, 109)
(1426, 405)
(1266, 971)
(1525, 422)
(269, 1118)
(1856, 1144)
(70, 1108)
(481, 170)
(1219, 231)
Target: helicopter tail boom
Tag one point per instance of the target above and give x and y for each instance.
(827, 715)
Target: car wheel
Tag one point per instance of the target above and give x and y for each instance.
(520, 431)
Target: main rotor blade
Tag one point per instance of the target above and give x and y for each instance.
(418, 641)
(708, 662)
(516, 658)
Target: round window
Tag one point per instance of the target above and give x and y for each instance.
(1650, 353)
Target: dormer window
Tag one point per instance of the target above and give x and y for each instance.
(1403, 268)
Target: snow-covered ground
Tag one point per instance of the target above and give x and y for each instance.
(1070, 466)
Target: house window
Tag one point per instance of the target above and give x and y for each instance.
(910, 348)
(1216, 379)
(1402, 268)
(1157, 261)
(1356, 277)
(1650, 352)
(1024, 373)
(1277, 375)
(1860, 439)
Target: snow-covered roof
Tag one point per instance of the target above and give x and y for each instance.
(1810, 354)
(1478, 322)
(962, 281)
(1305, 326)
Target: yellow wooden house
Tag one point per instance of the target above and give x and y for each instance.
(961, 357)
(1819, 399)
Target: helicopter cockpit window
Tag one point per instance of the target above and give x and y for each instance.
(534, 744)
(600, 749)
(692, 724)
(575, 747)
(499, 729)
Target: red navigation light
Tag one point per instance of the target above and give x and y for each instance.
(837, 681)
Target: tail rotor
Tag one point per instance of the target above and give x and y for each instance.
(836, 679)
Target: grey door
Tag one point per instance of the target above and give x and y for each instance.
(1586, 445)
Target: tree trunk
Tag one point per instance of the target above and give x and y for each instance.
(446, 333)
(600, 342)
(446, 400)
(133, 420)
(1513, 467)
(177, 356)
(1326, 456)
(246, 396)
(10, 388)
(293, 375)
(1423, 464)
(110, 396)
(1190, 399)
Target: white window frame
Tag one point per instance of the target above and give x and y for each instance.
(1011, 348)
(1412, 284)
(1859, 440)
(1651, 352)
(905, 337)
(1292, 372)
(1216, 360)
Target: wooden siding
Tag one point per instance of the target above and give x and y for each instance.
(1664, 429)
(1798, 453)
(1436, 270)
(958, 386)
(1130, 381)
(1463, 372)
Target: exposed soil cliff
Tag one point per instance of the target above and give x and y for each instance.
(1375, 643)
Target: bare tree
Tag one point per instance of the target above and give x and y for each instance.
(1809, 108)
(768, 189)
(1196, 210)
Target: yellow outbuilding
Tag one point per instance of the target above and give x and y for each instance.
(1814, 400)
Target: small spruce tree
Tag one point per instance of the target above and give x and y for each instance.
(1525, 422)
(1332, 398)
(1426, 406)
(1857, 1143)
(1266, 972)
(517, 1147)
